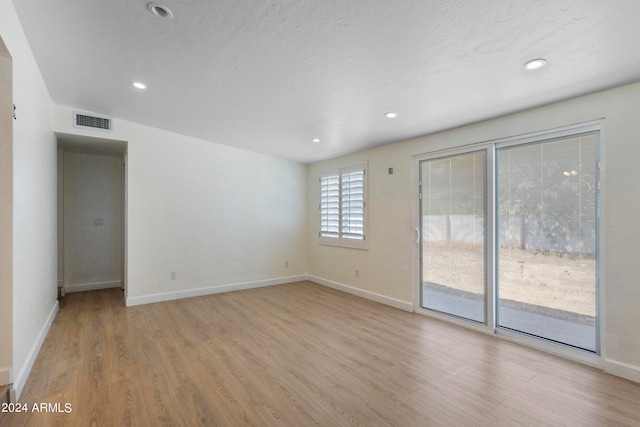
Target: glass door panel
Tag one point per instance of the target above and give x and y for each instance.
(547, 248)
(452, 222)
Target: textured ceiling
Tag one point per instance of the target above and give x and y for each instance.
(270, 75)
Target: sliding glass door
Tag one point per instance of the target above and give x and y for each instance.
(509, 235)
(453, 235)
(547, 202)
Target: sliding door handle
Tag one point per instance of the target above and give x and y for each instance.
(417, 235)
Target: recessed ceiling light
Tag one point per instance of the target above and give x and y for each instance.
(391, 115)
(160, 10)
(535, 64)
(315, 140)
(139, 85)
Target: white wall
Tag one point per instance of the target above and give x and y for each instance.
(219, 217)
(92, 192)
(6, 215)
(34, 204)
(60, 213)
(386, 268)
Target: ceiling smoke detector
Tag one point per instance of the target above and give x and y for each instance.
(159, 10)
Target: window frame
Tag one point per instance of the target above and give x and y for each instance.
(339, 239)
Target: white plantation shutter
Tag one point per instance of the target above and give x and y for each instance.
(330, 205)
(342, 206)
(352, 203)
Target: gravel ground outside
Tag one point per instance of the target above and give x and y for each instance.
(565, 283)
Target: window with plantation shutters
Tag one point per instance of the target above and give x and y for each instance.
(342, 207)
(330, 206)
(352, 204)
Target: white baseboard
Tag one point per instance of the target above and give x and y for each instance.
(91, 286)
(20, 380)
(189, 293)
(621, 369)
(382, 299)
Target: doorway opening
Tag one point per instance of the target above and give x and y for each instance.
(91, 213)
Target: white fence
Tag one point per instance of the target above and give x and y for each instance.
(548, 235)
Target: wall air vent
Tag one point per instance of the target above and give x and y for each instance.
(92, 121)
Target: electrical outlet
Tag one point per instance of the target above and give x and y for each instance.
(98, 222)
(173, 275)
(357, 273)
(286, 264)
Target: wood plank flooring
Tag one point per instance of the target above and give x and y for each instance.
(300, 355)
(4, 398)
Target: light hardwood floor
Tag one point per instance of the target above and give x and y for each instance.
(300, 355)
(4, 398)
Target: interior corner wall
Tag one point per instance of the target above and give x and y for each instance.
(386, 268)
(92, 226)
(218, 217)
(6, 215)
(34, 201)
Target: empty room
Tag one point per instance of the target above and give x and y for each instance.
(330, 213)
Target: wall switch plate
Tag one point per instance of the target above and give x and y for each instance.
(173, 275)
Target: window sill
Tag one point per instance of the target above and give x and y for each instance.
(344, 243)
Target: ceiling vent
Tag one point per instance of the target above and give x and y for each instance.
(92, 121)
